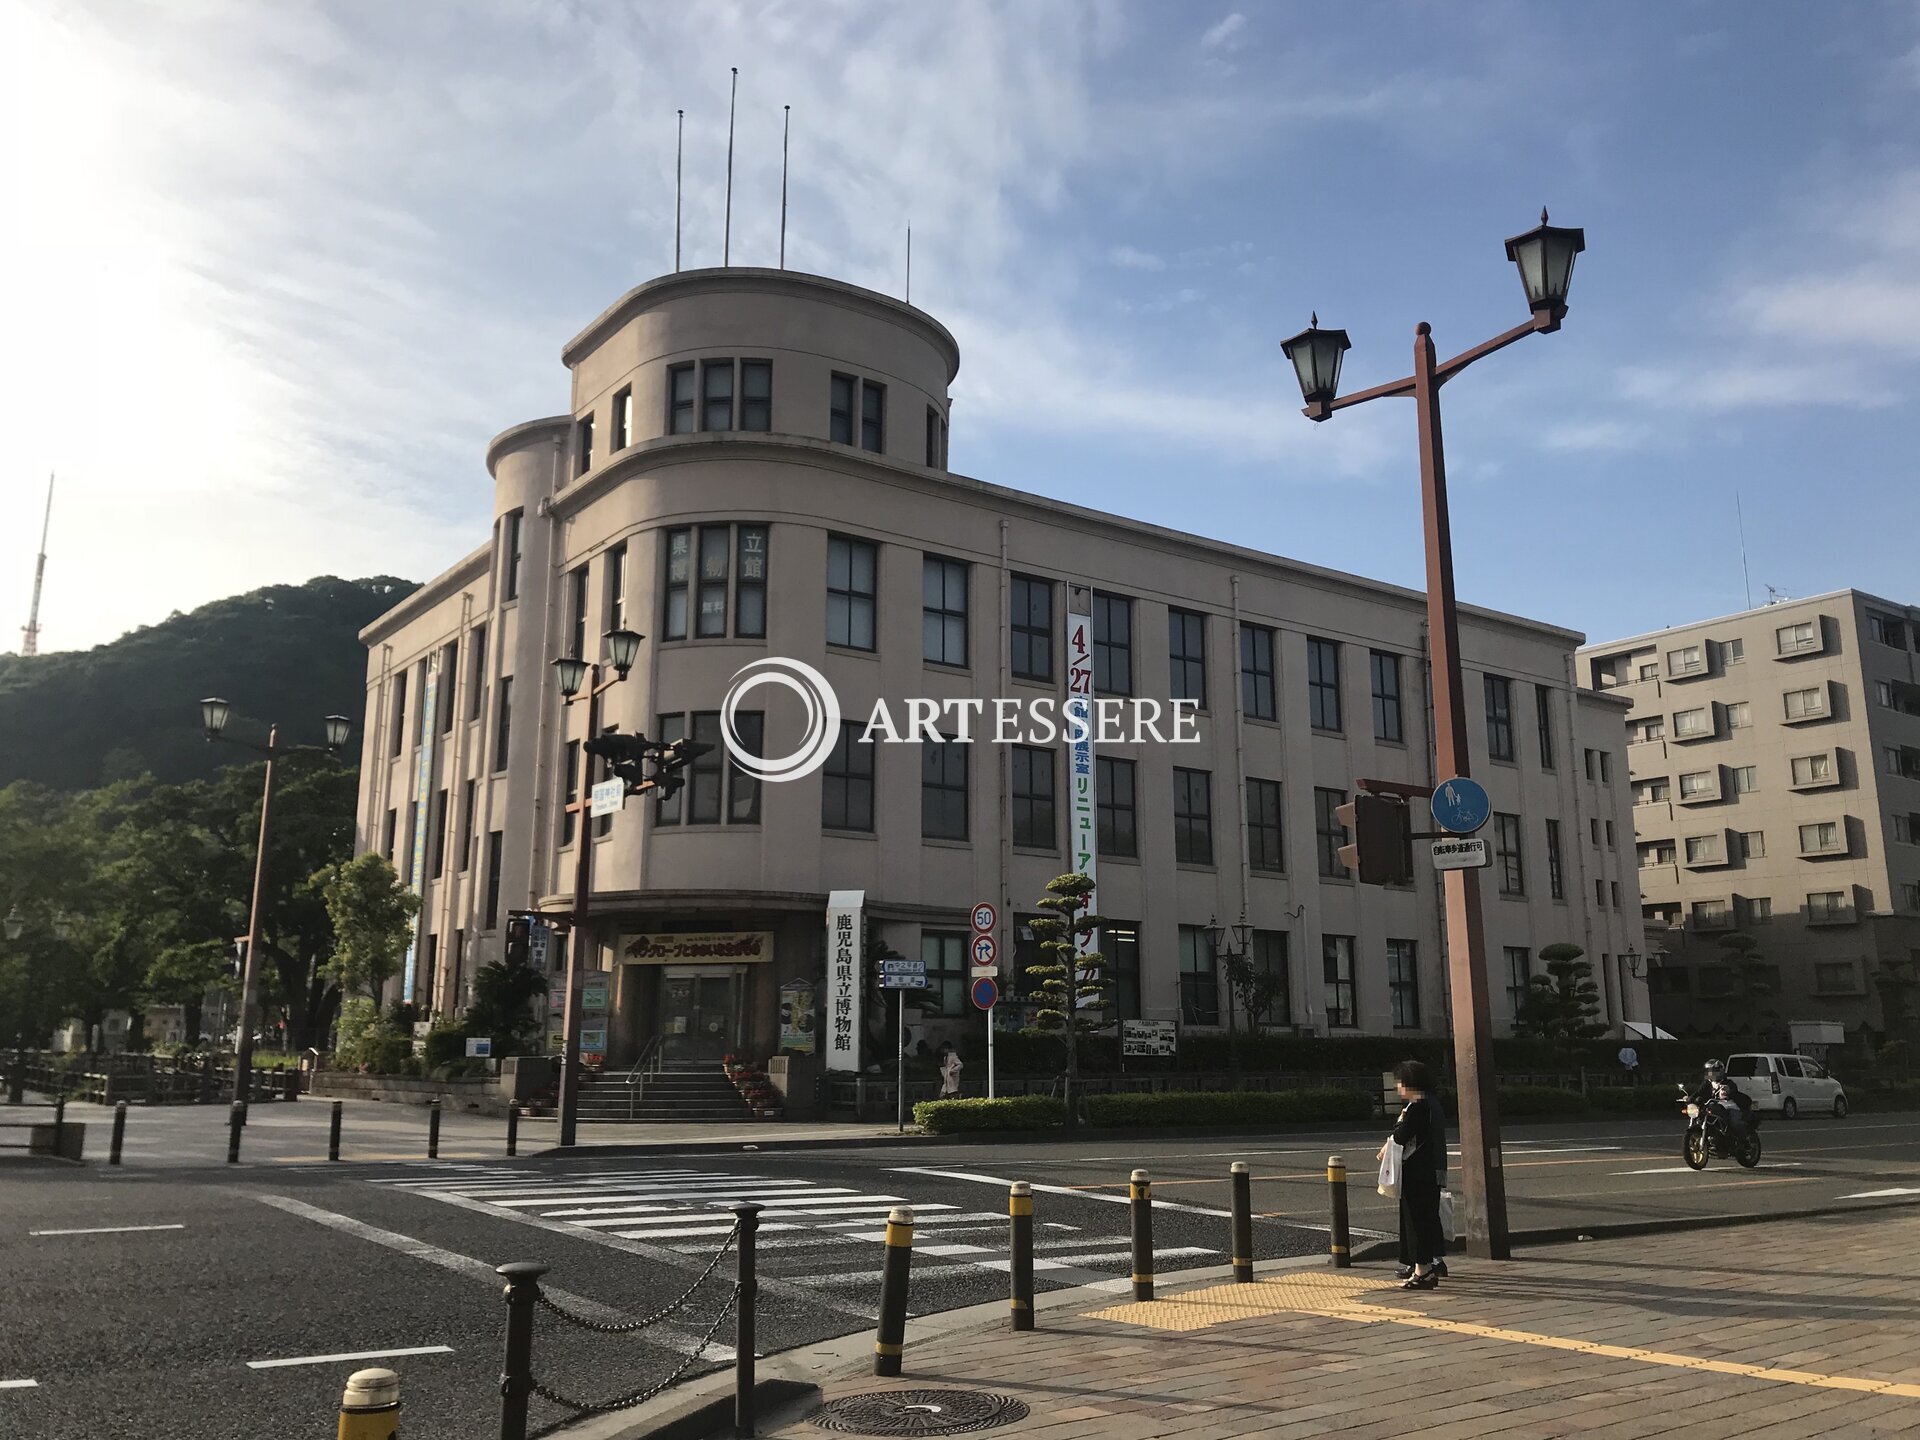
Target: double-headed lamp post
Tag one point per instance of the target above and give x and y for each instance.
(1545, 257)
(1229, 947)
(214, 713)
(580, 680)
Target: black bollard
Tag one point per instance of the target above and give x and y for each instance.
(890, 1342)
(433, 1130)
(516, 1374)
(333, 1130)
(1242, 1221)
(17, 1081)
(236, 1117)
(513, 1129)
(291, 1080)
(747, 1213)
(1020, 1253)
(1337, 1184)
(119, 1131)
(1140, 1193)
(60, 1123)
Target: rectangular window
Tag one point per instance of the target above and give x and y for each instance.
(706, 776)
(510, 556)
(1543, 704)
(1114, 794)
(1264, 836)
(622, 420)
(569, 815)
(449, 680)
(1690, 724)
(670, 809)
(399, 736)
(1499, 717)
(1833, 977)
(503, 723)
(1329, 834)
(1120, 948)
(616, 568)
(1387, 723)
(583, 445)
(496, 852)
(846, 790)
(1336, 970)
(1199, 985)
(1592, 765)
(943, 790)
(1687, 660)
(712, 611)
(1732, 652)
(1032, 628)
(873, 416)
(1556, 878)
(1506, 854)
(679, 573)
(1192, 817)
(1906, 829)
(852, 571)
(1740, 715)
(840, 410)
(1593, 830)
(945, 955)
(1187, 656)
(1257, 697)
(756, 395)
(743, 788)
(477, 676)
(1909, 895)
(469, 802)
(681, 413)
(943, 615)
(1271, 970)
(1812, 769)
(1702, 848)
(1112, 644)
(1887, 630)
(440, 817)
(1697, 782)
(716, 395)
(1033, 798)
(1827, 905)
(750, 586)
(1711, 914)
(1805, 704)
(1323, 684)
(1819, 836)
(1793, 639)
(1403, 984)
(1759, 910)
(1656, 852)
(936, 440)
(1519, 975)
(1746, 779)
(392, 834)
(1753, 844)
(577, 614)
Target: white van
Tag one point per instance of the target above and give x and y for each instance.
(1788, 1084)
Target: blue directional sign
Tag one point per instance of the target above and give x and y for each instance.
(1461, 806)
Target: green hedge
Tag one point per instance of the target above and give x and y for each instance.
(1017, 1112)
(1900, 1096)
(1242, 1107)
(1635, 1099)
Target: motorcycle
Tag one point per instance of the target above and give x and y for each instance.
(1709, 1135)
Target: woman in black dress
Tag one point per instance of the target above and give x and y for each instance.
(1422, 1132)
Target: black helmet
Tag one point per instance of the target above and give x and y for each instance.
(1715, 1067)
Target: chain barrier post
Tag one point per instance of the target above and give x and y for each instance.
(516, 1374)
(433, 1130)
(333, 1130)
(1020, 1253)
(1342, 1243)
(236, 1117)
(890, 1341)
(747, 1215)
(513, 1129)
(1140, 1194)
(119, 1131)
(370, 1408)
(60, 1123)
(292, 1079)
(1242, 1221)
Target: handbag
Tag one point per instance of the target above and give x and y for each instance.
(1446, 1216)
(1390, 1160)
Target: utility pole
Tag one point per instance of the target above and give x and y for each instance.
(30, 632)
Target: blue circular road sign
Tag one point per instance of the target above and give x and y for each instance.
(1461, 806)
(986, 993)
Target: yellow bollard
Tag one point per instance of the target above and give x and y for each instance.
(370, 1408)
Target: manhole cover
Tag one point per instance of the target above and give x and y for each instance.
(919, 1412)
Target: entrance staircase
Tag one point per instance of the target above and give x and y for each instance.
(689, 1092)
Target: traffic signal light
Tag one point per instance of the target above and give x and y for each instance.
(517, 940)
(1380, 851)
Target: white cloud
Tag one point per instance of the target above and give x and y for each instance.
(1225, 34)
(1596, 435)
(1128, 258)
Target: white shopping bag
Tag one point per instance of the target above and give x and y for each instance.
(1390, 1158)
(1446, 1216)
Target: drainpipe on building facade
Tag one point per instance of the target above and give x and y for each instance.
(1583, 834)
(1009, 926)
(540, 847)
(1240, 785)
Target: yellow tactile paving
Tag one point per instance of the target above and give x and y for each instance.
(1335, 1295)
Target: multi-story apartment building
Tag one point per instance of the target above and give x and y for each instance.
(1775, 762)
(752, 464)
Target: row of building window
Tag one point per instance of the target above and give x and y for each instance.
(1822, 907)
(1719, 982)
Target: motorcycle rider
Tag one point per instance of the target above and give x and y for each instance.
(1720, 1093)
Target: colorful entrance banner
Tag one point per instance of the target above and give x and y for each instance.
(736, 946)
(1083, 823)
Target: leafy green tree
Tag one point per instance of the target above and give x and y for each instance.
(1562, 1006)
(372, 914)
(1754, 982)
(1070, 987)
(503, 997)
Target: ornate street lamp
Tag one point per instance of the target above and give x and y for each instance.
(62, 925)
(15, 923)
(623, 647)
(1545, 257)
(571, 672)
(213, 716)
(1316, 356)
(338, 727)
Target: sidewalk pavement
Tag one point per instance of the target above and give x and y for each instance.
(1791, 1330)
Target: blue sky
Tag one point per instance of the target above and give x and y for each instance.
(288, 267)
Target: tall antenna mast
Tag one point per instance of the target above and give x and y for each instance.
(726, 235)
(1741, 518)
(30, 632)
(786, 129)
(909, 264)
(679, 153)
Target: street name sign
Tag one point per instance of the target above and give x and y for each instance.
(609, 797)
(1461, 855)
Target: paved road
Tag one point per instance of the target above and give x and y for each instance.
(171, 1328)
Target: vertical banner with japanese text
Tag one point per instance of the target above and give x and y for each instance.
(422, 798)
(1082, 800)
(843, 979)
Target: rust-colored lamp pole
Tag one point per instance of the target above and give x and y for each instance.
(1545, 257)
(580, 681)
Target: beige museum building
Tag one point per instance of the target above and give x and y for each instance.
(754, 463)
(1775, 764)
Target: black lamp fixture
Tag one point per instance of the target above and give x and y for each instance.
(213, 716)
(571, 672)
(15, 923)
(1316, 355)
(623, 648)
(338, 727)
(1545, 257)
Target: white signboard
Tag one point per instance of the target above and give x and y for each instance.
(1461, 855)
(1083, 823)
(539, 939)
(479, 1047)
(609, 797)
(1149, 1037)
(843, 979)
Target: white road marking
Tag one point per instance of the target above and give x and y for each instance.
(19, 1384)
(1040, 1189)
(108, 1230)
(1689, 1170)
(1880, 1194)
(351, 1355)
